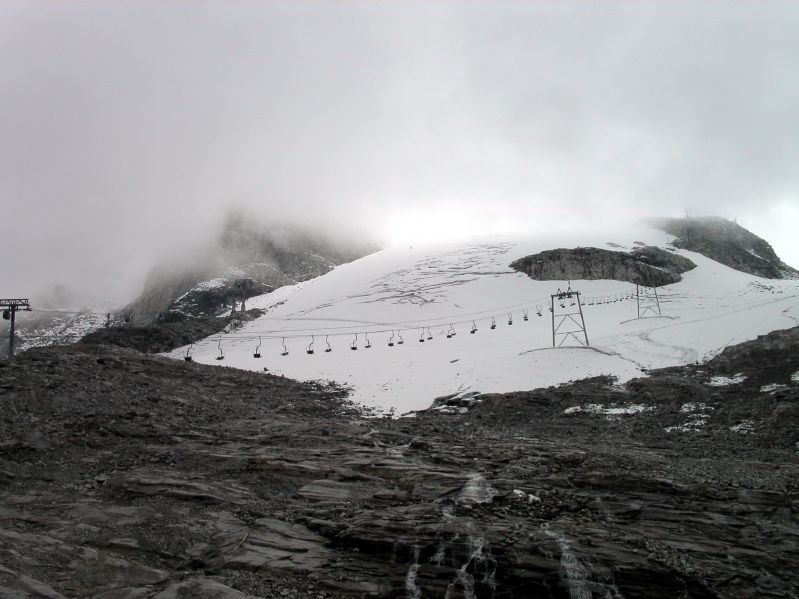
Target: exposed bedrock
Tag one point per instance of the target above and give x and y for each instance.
(650, 266)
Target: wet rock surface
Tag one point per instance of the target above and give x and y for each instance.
(128, 476)
(647, 265)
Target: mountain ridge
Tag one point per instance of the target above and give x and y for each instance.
(726, 242)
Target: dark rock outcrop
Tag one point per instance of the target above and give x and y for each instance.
(728, 243)
(649, 266)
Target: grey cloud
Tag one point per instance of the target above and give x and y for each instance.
(128, 129)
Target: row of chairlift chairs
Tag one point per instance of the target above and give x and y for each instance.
(428, 336)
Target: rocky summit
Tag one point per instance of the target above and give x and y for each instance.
(124, 476)
(726, 242)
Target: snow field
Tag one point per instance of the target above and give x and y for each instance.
(422, 290)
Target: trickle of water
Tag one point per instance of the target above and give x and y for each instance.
(477, 490)
(572, 571)
(414, 591)
(465, 579)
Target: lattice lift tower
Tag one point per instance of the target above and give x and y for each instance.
(648, 304)
(575, 329)
(10, 307)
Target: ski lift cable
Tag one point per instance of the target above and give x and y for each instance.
(348, 332)
(349, 329)
(410, 324)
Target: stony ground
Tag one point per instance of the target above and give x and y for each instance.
(126, 476)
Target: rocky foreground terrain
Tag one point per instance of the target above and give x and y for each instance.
(128, 476)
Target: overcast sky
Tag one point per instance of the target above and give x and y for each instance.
(128, 128)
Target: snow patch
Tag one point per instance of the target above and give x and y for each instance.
(723, 381)
(608, 411)
(772, 387)
(694, 424)
(694, 407)
(746, 427)
(528, 497)
(795, 377)
(699, 416)
(756, 255)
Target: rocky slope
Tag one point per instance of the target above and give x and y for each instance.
(123, 475)
(648, 265)
(726, 242)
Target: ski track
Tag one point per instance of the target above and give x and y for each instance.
(407, 290)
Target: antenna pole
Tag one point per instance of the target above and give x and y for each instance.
(11, 337)
(10, 307)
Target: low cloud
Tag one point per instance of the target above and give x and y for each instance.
(130, 130)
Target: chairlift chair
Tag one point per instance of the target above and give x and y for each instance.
(524, 315)
(309, 349)
(538, 310)
(328, 349)
(391, 340)
(257, 352)
(285, 351)
(354, 344)
(421, 336)
(450, 332)
(493, 323)
(474, 328)
(221, 355)
(400, 340)
(510, 319)
(187, 357)
(429, 334)
(368, 342)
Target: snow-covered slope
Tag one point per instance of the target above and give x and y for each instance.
(409, 291)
